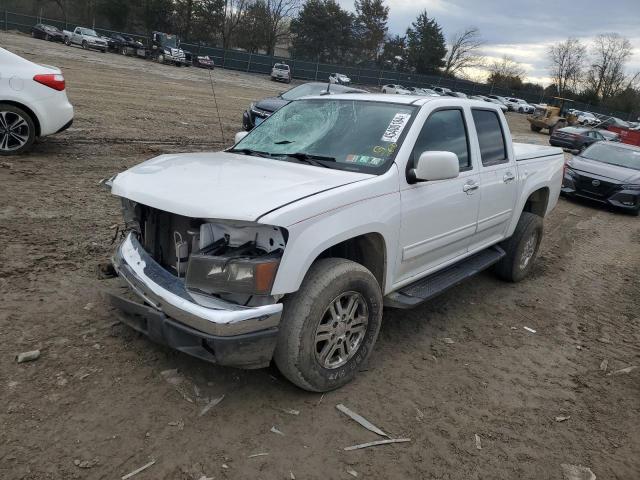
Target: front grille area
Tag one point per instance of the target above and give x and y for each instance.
(601, 190)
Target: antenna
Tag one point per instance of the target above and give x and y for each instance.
(215, 102)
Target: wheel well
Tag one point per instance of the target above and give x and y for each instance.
(368, 250)
(28, 110)
(537, 202)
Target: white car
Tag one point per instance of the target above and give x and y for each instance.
(339, 79)
(281, 72)
(588, 118)
(521, 105)
(33, 103)
(395, 89)
(288, 250)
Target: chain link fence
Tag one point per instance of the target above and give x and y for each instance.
(315, 71)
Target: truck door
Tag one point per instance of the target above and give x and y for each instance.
(439, 217)
(498, 185)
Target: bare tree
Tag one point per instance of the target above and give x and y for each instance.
(506, 73)
(606, 76)
(279, 12)
(566, 64)
(463, 51)
(233, 11)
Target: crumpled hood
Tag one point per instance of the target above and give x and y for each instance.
(614, 172)
(271, 104)
(225, 185)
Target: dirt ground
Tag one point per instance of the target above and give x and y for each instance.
(96, 404)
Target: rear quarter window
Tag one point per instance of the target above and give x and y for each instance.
(493, 148)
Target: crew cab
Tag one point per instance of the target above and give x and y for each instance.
(288, 245)
(86, 38)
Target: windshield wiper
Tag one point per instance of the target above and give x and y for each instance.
(311, 159)
(248, 151)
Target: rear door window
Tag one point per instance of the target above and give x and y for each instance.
(493, 148)
(444, 131)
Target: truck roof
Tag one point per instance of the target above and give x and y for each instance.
(408, 99)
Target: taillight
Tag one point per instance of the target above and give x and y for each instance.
(51, 80)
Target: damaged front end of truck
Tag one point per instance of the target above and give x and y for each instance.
(201, 286)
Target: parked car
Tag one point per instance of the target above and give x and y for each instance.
(38, 108)
(395, 89)
(575, 138)
(287, 245)
(123, 44)
(457, 94)
(86, 38)
(609, 136)
(339, 79)
(441, 90)
(608, 173)
(501, 105)
(588, 118)
(47, 32)
(281, 72)
(521, 105)
(260, 111)
(203, 61)
(426, 92)
(506, 102)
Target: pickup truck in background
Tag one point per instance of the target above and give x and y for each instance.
(86, 38)
(288, 245)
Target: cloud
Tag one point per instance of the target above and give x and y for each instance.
(524, 29)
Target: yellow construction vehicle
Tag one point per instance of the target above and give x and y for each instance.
(555, 115)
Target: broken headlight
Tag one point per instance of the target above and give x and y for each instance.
(251, 276)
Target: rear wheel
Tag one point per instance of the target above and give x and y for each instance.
(67, 41)
(521, 248)
(329, 326)
(17, 130)
(47, 37)
(160, 58)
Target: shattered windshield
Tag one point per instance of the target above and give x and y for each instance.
(353, 135)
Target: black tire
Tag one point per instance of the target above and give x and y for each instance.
(124, 51)
(521, 110)
(85, 45)
(160, 58)
(28, 130)
(513, 266)
(296, 352)
(67, 41)
(535, 129)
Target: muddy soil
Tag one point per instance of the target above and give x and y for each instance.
(96, 404)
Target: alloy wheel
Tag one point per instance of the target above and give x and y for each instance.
(14, 131)
(341, 330)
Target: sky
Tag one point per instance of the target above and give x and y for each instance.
(524, 29)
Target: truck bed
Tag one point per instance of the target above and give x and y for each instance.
(527, 151)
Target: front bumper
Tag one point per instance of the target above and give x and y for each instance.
(250, 350)
(202, 315)
(614, 196)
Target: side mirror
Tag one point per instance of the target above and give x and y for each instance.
(240, 135)
(435, 166)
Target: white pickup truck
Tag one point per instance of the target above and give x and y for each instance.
(287, 245)
(86, 38)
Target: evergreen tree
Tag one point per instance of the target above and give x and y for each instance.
(425, 45)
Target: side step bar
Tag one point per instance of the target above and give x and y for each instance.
(428, 287)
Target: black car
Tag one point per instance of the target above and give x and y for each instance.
(575, 138)
(261, 110)
(608, 173)
(122, 44)
(47, 32)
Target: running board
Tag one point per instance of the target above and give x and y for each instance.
(436, 283)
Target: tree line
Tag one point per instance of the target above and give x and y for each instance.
(323, 31)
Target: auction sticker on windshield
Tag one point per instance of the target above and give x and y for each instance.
(395, 128)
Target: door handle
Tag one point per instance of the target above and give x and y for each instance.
(508, 177)
(470, 187)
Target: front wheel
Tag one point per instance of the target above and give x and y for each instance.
(329, 326)
(67, 41)
(17, 130)
(521, 249)
(85, 45)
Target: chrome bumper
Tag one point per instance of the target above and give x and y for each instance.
(167, 293)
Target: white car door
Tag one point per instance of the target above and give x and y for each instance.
(439, 217)
(498, 186)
